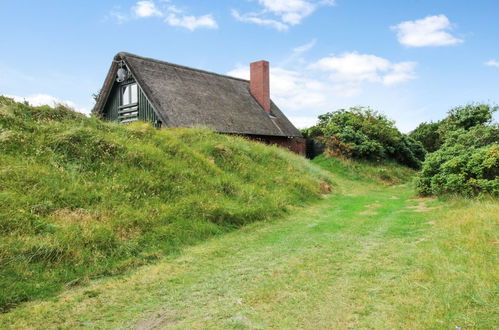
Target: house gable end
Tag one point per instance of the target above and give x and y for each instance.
(108, 105)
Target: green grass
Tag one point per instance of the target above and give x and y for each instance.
(368, 256)
(384, 172)
(82, 199)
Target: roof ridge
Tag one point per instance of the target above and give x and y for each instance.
(125, 54)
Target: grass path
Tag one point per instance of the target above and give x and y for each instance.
(368, 256)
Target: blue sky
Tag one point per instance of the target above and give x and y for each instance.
(410, 59)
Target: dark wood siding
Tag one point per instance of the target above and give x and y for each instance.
(112, 105)
(146, 111)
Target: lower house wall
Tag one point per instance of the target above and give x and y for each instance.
(294, 144)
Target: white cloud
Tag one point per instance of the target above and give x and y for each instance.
(173, 16)
(492, 63)
(173, 9)
(243, 72)
(400, 72)
(290, 11)
(118, 16)
(292, 90)
(334, 82)
(254, 18)
(306, 87)
(45, 99)
(281, 14)
(303, 122)
(356, 68)
(146, 9)
(304, 48)
(429, 31)
(297, 54)
(191, 22)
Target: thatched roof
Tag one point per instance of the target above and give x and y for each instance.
(187, 97)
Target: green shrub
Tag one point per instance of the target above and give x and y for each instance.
(465, 158)
(478, 136)
(363, 133)
(81, 198)
(468, 116)
(434, 135)
(429, 136)
(467, 164)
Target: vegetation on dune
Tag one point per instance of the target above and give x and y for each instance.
(429, 136)
(386, 173)
(466, 164)
(81, 198)
(432, 135)
(368, 256)
(362, 133)
(457, 155)
(465, 153)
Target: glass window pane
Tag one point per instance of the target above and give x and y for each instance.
(125, 95)
(133, 91)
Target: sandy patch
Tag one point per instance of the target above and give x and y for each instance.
(370, 209)
(373, 205)
(368, 212)
(421, 205)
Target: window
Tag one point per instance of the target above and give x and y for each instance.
(129, 94)
(128, 110)
(133, 95)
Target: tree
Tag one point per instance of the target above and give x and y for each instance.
(364, 133)
(429, 135)
(95, 96)
(468, 116)
(467, 161)
(466, 164)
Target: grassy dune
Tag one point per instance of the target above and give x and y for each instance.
(372, 255)
(81, 199)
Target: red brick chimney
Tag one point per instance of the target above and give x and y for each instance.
(259, 83)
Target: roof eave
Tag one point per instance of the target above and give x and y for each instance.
(105, 91)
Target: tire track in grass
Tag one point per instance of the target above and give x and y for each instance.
(273, 287)
(320, 266)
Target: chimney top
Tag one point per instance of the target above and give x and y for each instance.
(259, 83)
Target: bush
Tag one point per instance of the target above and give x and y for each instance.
(465, 152)
(429, 136)
(433, 135)
(466, 164)
(468, 116)
(409, 152)
(363, 133)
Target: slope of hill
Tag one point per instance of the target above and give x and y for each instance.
(371, 255)
(80, 198)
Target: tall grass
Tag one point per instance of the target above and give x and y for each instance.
(81, 198)
(384, 172)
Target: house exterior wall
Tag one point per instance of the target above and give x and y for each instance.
(146, 112)
(113, 103)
